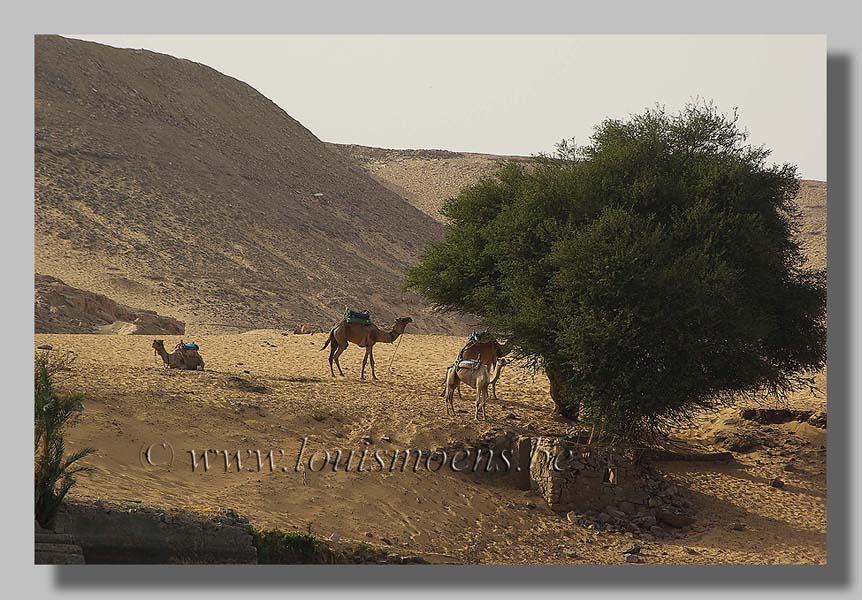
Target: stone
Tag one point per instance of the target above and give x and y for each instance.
(627, 507)
(670, 490)
(44, 347)
(633, 558)
(633, 550)
(646, 521)
(616, 513)
(655, 502)
(777, 483)
(572, 516)
(737, 526)
(531, 505)
(603, 517)
(657, 531)
(674, 520)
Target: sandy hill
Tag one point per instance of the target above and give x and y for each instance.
(168, 186)
(426, 178)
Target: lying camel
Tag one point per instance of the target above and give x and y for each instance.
(488, 353)
(477, 376)
(364, 336)
(307, 328)
(180, 358)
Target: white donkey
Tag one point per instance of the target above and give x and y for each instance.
(474, 374)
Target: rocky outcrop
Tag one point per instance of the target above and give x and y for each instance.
(61, 308)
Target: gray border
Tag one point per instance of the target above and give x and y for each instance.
(673, 16)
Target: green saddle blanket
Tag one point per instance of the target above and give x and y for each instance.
(361, 317)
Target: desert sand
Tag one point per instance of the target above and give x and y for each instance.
(264, 390)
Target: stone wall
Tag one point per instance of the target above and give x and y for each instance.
(114, 533)
(572, 476)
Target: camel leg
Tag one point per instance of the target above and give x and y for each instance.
(335, 358)
(371, 356)
(364, 362)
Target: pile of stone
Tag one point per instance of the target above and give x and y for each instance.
(666, 513)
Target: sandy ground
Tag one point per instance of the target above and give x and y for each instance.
(264, 390)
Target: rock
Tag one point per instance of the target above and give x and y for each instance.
(44, 347)
(737, 526)
(633, 550)
(633, 558)
(386, 541)
(603, 517)
(655, 502)
(674, 520)
(646, 537)
(627, 507)
(691, 550)
(531, 505)
(572, 516)
(671, 490)
(777, 483)
(657, 531)
(616, 513)
(386, 438)
(646, 521)
(334, 537)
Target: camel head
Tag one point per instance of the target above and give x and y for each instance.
(401, 323)
(158, 345)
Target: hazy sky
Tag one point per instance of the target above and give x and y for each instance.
(520, 94)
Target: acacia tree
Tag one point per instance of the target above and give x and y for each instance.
(651, 274)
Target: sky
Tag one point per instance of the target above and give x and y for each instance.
(520, 94)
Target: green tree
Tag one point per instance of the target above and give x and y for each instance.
(651, 274)
(54, 469)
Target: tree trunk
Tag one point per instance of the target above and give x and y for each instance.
(564, 407)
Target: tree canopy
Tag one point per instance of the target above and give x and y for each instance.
(652, 273)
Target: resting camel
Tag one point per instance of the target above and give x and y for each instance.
(488, 353)
(188, 360)
(307, 328)
(364, 336)
(476, 375)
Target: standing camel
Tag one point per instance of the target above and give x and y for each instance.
(476, 375)
(364, 336)
(179, 358)
(488, 353)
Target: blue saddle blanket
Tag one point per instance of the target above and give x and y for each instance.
(191, 346)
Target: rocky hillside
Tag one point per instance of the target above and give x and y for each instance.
(426, 178)
(166, 185)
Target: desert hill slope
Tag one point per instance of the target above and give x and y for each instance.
(426, 178)
(168, 186)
